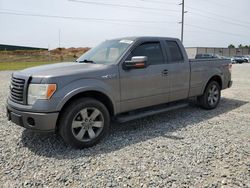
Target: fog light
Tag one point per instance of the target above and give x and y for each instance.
(31, 121)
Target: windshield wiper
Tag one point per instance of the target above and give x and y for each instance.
(85, 61)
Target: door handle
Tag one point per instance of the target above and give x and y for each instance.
(164, 72)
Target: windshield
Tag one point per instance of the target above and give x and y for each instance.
(107, 52)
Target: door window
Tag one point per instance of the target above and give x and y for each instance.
(175, 55)
(152, 50)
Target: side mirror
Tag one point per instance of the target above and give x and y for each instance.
(137, 62)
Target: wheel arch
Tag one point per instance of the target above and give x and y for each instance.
(98, 95)
(216, 78)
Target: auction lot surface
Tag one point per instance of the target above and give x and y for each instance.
(189, 147)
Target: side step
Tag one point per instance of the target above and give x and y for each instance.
(149, 111)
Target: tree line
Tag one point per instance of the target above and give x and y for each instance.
(239, 46)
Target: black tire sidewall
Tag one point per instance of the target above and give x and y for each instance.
(204, 100)
(70, 112)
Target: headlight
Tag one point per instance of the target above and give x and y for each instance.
(40, 91)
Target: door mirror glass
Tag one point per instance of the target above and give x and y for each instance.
(136, 62)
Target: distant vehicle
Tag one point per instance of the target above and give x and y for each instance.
(238, 59)
(141, 75)
(207, 56)
(247, 58)
(224, 57)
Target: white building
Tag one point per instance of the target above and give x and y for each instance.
(228, 52)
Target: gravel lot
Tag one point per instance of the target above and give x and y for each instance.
(189, 147)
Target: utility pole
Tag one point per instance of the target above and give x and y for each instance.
(182, 19)
(60, 49)
(49, 53)
(59, 38)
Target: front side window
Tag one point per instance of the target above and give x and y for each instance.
(175, 55)
(152, 50)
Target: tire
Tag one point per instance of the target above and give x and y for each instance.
(211, 96)
(84, 123)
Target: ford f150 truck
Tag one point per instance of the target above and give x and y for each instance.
(121, 79)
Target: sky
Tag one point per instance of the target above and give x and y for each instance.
(85, 23)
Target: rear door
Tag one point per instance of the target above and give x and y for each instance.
(148, 86)
(178, 70)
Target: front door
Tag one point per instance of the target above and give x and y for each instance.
(147, 86)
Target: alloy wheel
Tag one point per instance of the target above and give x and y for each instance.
(213, 95)
(87, 124)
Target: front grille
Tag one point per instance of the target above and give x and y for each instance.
(17, 89)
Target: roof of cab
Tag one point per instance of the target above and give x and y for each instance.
(145, 38)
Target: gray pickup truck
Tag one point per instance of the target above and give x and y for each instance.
(121, 79)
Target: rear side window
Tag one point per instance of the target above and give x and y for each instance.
(152, 50)
(174, 52)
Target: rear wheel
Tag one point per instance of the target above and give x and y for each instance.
(211, 96)
(84, 123)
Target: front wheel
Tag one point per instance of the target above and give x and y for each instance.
(84, 123)
(211, 96)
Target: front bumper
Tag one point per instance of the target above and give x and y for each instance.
(45, 122)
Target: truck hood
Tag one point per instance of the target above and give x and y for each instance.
(61, 69)
(67, 72)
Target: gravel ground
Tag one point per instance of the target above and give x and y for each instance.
(189, 147)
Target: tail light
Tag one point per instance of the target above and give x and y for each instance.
(230, 67)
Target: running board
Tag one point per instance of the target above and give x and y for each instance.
(148, 112)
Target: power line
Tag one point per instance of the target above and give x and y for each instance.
(219, 15)
(222, 20)
(225, 5)
(216, 31)
(209, 17)
(106, 21)
(82, 18)
(159, 2)
(5, 9)
(122, 6)
(112, 20)
(128, 6)
(147, 11)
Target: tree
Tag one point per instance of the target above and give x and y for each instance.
(247, 46)
(240, 46)
(231, 46)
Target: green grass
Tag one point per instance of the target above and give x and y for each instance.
(20, 65)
